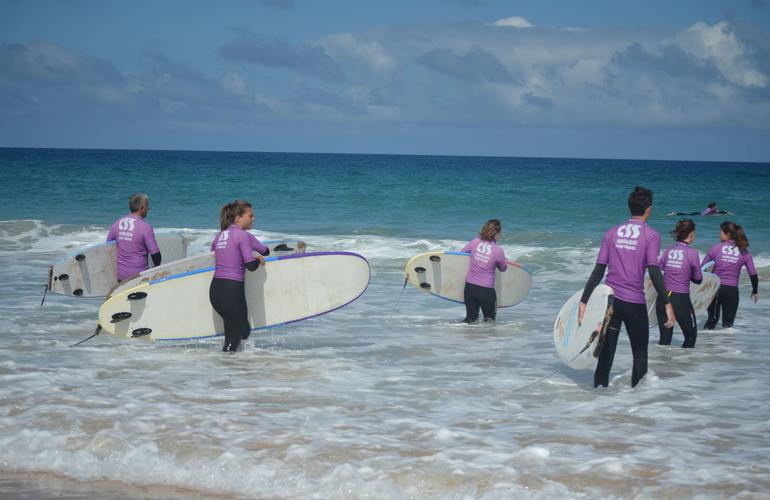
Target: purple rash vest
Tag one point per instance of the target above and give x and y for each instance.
(627, 249)
(232, 251)
(485, 257)
(135, 240)
(728, 260)
(708, 211)
(680, 265)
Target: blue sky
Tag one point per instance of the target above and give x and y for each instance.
(680, 79)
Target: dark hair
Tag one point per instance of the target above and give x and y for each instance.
(229, 212)
(736, 233)
(683, 229)
(490, 229)
(712, 204)
(639, 199)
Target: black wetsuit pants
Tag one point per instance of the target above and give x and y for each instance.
(727, 300)
(479, 297)
(634, 317)
(228, 297)
(685, 318)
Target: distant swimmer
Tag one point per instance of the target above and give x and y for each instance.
(729, 257)
(232, 249)
(711, 209)
(681, 265)
(486, 256)
(627, 250)
(134, 238)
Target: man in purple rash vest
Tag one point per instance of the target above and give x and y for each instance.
(134, 238)
(627, 250)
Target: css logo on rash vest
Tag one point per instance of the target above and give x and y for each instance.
(731, 251)
(222, 240)
(627, 236)
(126, 224)
(676, 255)
(483, 251)
(629, 231)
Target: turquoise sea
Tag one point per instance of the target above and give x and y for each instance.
(388, 397)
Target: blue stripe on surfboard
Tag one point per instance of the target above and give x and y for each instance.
(197, 271)
(570, 324)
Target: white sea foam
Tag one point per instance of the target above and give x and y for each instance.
(382, 399)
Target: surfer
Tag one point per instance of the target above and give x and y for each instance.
(680, 265)
(486, 256)
(134, 238)
(232, 249)
(711, 209)
(729, 256)
(627, 250)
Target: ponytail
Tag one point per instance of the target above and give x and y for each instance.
(736, 233)
(683, 229)
(224, 216)
(229, 212)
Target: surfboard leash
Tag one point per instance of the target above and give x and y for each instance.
(45, 292)
(406, 280)
(96, 332)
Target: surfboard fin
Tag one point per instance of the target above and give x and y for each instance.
(141, 332)
(425, 286)
(80, 257)
(136, 296)
(77, 292)
(120, 316)
(63, 277)
(435, 258)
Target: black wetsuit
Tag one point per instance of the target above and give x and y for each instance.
(479, 297)
(685, 318)
(228, 297)
(726, 299)
(634, 317)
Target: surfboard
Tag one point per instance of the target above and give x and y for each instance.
(578, 345)
(443, 274)
(186, 265)
(284, 290)
(701, 296)
(91, 271)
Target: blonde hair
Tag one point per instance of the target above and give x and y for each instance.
(229, 212)
(490, 229)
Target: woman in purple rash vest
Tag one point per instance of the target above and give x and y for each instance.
(729, 257)
(626, 251)
(486, 256)
(134, 238)
(232, 249)
(680, 265)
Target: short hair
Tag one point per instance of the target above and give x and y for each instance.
(137, 201)
(639, 200)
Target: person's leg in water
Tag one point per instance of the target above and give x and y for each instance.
(472, 303)
(607, 354)
(228, 299)
(713, 312)
(638, 329)
(665, 333)
(489, 305)
(729, 298)
(685, 317)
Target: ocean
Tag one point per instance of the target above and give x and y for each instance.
(388, 397)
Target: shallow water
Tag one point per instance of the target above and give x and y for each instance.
(386, 398)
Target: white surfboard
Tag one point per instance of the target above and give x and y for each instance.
(284, 290)
(443, 274)
(92, 270)
(575, 344)
(701, 296)
(195, 262)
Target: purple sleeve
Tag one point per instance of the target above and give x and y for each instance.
(749, 263)
(708, 258)
(111, 236)
(502, 264)
(245, 248)
(604, 252)
(467, 247)
(653, 250)
(149, 241)
(256, 244)
(697, 274)
(663, 259)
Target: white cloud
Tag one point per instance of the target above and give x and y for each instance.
(719, 44)
(233, 83)
(369, 52)
(513, 22)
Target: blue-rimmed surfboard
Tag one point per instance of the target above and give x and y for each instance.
(91, 271)
(577, 344)
(195, 262)
(284, 290)
(443, 274)
(701, 296)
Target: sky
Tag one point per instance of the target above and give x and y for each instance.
(646, 79)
